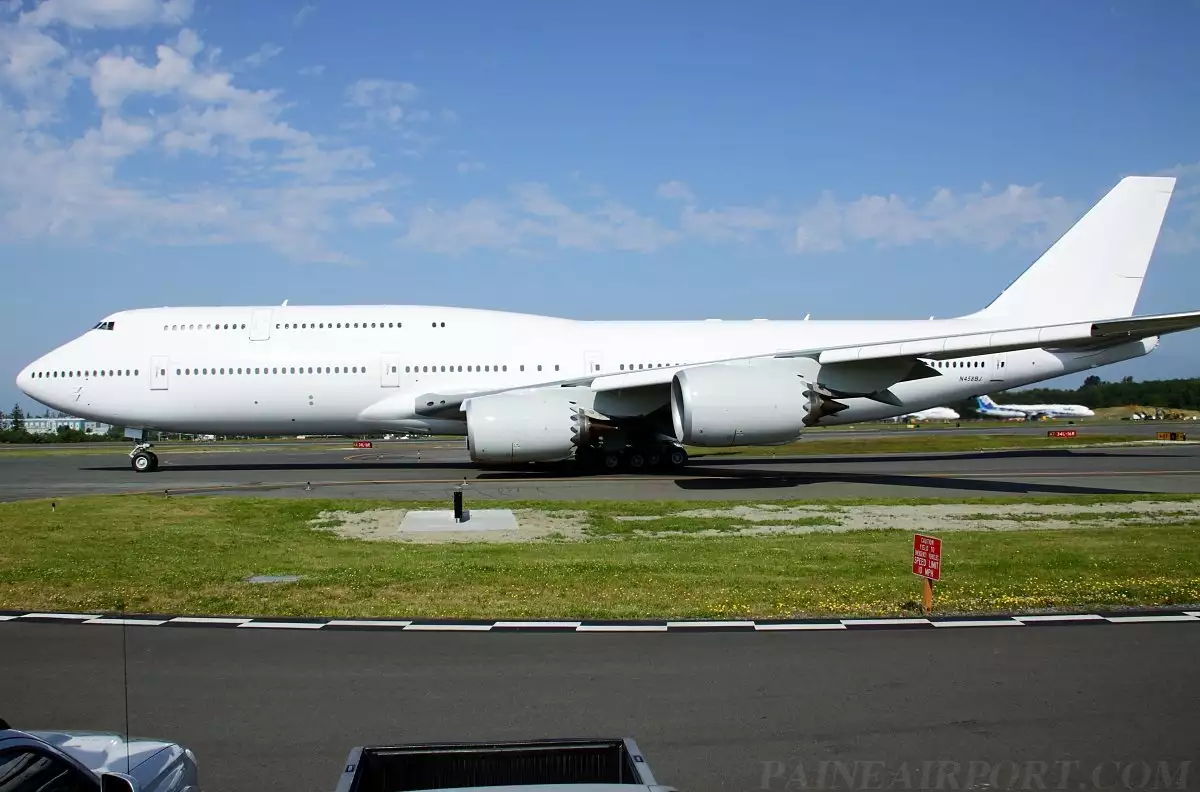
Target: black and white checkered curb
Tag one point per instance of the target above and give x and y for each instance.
(590, 626)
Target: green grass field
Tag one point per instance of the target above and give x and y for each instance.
(191, 555)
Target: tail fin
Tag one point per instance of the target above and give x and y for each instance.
(1095, 270)
(984, 403)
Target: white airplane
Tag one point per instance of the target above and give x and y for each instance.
(933, 414)
(526, 388)
(1037, 410)
(987, 408)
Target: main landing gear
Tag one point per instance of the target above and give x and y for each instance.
(142, 459)
(633, 459)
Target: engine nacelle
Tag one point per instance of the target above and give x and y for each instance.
(727, 405)
(542, 425)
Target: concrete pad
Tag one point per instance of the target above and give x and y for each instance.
(473, 520)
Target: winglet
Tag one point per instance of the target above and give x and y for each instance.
(1095, 269)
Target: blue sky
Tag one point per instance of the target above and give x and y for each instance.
(616, 160)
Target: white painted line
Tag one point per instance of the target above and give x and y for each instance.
(1061, 617)
(450, 627)
(284, 625)
(367, 623)
(801, 626)
(702, 624)
(8, 618)
(980, 623)
(63, 616)
(621, 628)
(130, 622)
(1193, 613)
(208, 620)
(882, 622)
(540, 624)
(1167, 617)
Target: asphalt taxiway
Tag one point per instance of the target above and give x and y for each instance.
(430, 470)
(280, 709)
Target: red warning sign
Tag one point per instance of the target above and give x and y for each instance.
(927, 557)
(1061, 433)
(362, 444)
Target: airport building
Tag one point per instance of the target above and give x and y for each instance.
(51, 425)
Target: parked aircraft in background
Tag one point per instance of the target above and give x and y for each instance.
(986, 408)
(526, 388)
(933, 414)
(1040, 410)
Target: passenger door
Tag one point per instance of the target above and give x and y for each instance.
(593, 362)
(159, 372)
(998, 368)
(389, 371)
(260, 325)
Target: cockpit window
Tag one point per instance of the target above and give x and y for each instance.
(104, 325)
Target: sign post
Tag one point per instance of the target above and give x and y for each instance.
(927, 563)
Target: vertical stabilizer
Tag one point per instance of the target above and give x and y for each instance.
(1094, 270)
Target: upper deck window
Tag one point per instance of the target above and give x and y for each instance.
(104, 326)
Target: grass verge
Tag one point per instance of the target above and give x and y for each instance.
(192, 555)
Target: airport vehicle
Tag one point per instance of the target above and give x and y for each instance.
(525, 388)
(604, 765)
(82, 760)
(1039, 410)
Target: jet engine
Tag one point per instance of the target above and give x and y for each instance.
(544, 425)
(730, 404)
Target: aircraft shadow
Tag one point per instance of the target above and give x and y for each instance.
(716, 459)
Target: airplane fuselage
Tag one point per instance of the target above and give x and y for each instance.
(356, 369)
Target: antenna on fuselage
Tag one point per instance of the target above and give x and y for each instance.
(284, 304)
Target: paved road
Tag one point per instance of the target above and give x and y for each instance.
(430, 470)
(271, 710)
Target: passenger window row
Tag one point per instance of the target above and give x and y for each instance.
(93, 373)
(452, 369)
(269, 370)
(961, 364)
(217, 326)
(633, 366)
(340, 325)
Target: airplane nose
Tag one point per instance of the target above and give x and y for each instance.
(25, 379)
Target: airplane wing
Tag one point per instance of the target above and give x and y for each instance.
(1109, 332)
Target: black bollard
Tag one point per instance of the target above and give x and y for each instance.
(458, 505)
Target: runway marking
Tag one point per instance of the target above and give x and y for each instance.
(636, 626)
(1171, 617)
(211, 620)
(63, 616)
(1060, 617)
(284, 625)
(885, 622)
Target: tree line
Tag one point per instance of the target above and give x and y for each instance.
(1173, 394)
(15, 431)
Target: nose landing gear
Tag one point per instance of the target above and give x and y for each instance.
(142, 459)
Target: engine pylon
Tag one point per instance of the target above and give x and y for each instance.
(821, 404)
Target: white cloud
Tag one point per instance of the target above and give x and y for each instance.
(382, 101)
(675, 191)
(264, 54)
(311, 71)
(982, 219)
(534, 215)
(731, 224)
(268, 182)
(111, 14)
(470, 166)
(303, 14)
(372, 214)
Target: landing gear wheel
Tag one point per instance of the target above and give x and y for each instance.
(653, 460)
(676, 457)
(636, 461)
(153, 461)
(612, 460)
(143, 462)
